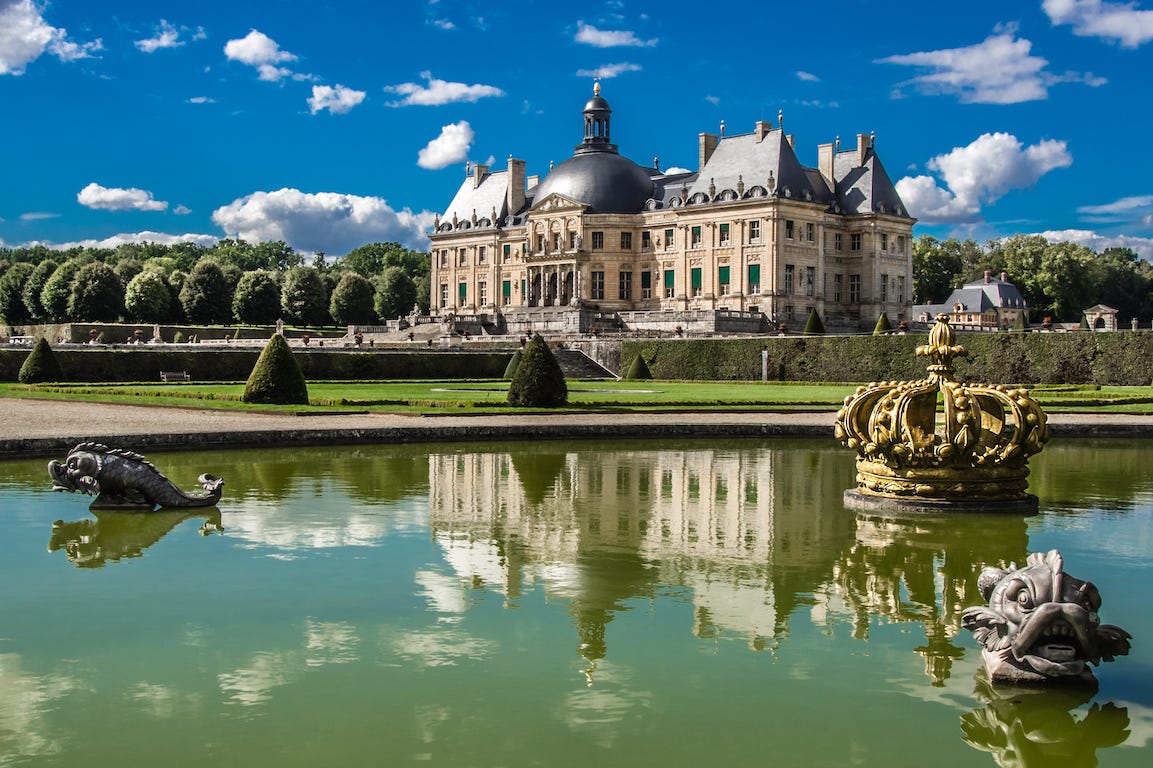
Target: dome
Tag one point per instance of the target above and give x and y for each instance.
(605, 181)
(597, 104)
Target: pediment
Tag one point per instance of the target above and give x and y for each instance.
(557, 202)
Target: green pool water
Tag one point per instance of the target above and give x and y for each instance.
(552, 604)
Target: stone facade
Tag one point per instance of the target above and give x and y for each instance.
(751, 231)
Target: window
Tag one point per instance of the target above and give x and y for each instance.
(789, 270)
(724, 234)
(482, 293)
(696, 281)
(884, 286)
(696, 237)
(444, 258)
(900, 243)
(626, 285)
(481, 255)
(754, 278)
(626, 241)
(463, 293)
(646, 284)
(790, 313)
(597, 287)
(723, 280)
(755, 231)
(668, 239)
(646, 239)
(884, 242)
(837, 241)
(598, 241)
(462, 257)
(810, 278)
(443, 295)
(788, 229)
(810, 231)
(855, 241)
(901, 288)
(507, 252)
(506, 292)
(540, 242)
(854, 289)
(572, 241)
(556, 241)
(837, 288)
(670, 284)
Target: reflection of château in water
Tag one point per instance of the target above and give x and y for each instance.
(753, 534)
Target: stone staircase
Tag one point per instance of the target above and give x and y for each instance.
(577, 365)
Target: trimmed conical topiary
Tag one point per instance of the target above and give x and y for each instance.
(538, 381)
(1084, 326)
(276, 378)
(513, 364)
(1020, 323)
(814, 326)
(883, 325)
(40, 365)
(638, 369)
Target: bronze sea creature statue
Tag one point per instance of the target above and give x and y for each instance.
(121, 479)
(1041, 624)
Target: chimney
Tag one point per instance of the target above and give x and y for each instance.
(532, 181)
(862, 148)
(1004, 277)
(708, 145)
(988, 275)
(792, 144)
(478, 175)
(762, 130)
(514, 197)
(825, 156)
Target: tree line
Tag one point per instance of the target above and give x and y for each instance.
(1057, 279)
(227, 283)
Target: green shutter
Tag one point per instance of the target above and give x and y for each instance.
(523, 289)
(696, 276)
(670, 278)
(754, 274)
(646, 279)
(506, 288)
(723, 275)
(463, 291)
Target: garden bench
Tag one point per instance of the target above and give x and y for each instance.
(170, 376)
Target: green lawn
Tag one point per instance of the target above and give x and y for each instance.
(488, 396)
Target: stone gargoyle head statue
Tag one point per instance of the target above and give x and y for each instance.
(1041, 624)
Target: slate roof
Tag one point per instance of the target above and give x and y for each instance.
(491, 193)
(865, 188)
(743, 158)
(980, 295)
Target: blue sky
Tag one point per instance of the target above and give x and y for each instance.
(331, 124)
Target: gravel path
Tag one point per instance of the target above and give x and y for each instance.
(42, 427)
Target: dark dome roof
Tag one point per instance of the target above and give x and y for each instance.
(605, 181)
(597, 103)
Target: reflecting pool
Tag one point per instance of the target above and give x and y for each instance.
(552, 604)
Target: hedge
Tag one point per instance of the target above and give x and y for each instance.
(117, 365)
(1122, 358)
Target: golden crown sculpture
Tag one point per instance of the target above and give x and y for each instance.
(978, 452)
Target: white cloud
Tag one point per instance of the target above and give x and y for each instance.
(979, 174)
(675, 170)
(609, 71)
(258, 50)
(1121, 22)
(338, 100)
(38, 216)
(1142, 246)
(451, 146)
(1125, 205)
(324, 221)
(182, 210)
(808, 77)
(167, 36)
(159, 238)
(443, 24)
(714, 100)
(202, 100)
(604, 38)
(999, 70)
(439, 92)
(113, 199)
(25, 36)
